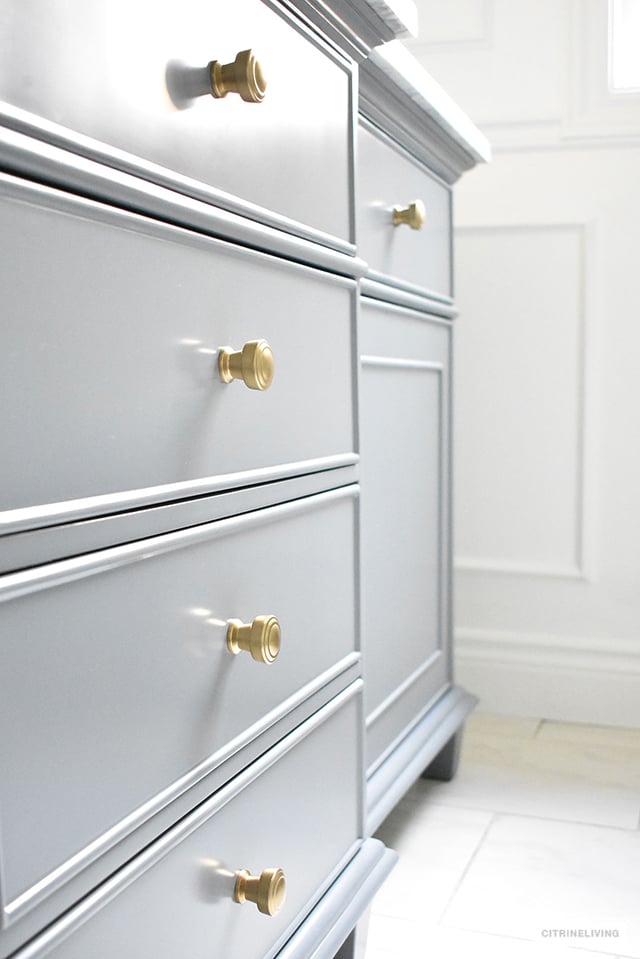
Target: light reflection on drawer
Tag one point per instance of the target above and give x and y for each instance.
(127, 74)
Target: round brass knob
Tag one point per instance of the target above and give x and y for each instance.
(253, 364)
(261, 638)
(244, 76)
(413, 215)
(268, 890)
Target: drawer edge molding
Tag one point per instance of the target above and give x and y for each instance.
(54, 169)
(390, 291)
(385, 286)
(55, 514)
(330, 923)
(162, 846)
(46, 131)
(27, 581)
(31, 547)
(20, 906)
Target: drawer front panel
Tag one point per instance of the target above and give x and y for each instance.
(128, 75)
(116, 673)
(109, 363)
(177, 898)
(388, 178)
(405, 504)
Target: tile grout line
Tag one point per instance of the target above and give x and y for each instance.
(468, 866)
(529, 815)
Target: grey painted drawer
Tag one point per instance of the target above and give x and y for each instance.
(298, 808)
(108, 369)
(405, 518)
(110, 71)
(117, 683)
(389, 177)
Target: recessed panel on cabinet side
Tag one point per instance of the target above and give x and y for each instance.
(405, 515)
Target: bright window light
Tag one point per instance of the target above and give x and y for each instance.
(624, 45)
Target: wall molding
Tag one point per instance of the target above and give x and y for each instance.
(594, 116)
(589, 115)
(574, 679)
(482, 40)
(583, 569)
(616, 656)
(593, 108)
(469, 564)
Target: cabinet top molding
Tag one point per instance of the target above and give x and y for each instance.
(357, 26)
(398, 95)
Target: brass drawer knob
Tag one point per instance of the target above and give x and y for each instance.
(413, 215)
(261, 638)
(244, 76)
(253, 364)
(268, 890)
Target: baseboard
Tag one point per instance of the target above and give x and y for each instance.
(551, 677)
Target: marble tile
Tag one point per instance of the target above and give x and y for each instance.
(527, 768)
(613, 737)
(483, 725)
(397, 939)
(435, 845)
(497, 880)
(531, 874)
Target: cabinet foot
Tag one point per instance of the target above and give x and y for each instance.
(348, 948)
(445, 765)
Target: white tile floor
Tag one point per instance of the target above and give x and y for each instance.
(538, 833)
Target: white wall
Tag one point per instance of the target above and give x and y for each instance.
(547, 504)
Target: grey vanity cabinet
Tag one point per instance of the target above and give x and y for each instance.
(186, 654)
(181, 711)
(410, 154)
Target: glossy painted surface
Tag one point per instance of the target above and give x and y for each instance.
(177, 898)
(108, 369)
(116, 674)
(129, 75)
(388, 177)
(405, 516)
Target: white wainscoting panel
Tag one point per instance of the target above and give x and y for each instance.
(455, 22)
(520, 437)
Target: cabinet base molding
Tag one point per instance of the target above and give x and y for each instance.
(335, 916)
(414, 753)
